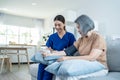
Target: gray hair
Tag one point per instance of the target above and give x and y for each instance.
(86, 24)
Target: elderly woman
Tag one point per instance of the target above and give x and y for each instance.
(91, 46)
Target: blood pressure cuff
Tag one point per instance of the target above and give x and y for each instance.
(70, 50)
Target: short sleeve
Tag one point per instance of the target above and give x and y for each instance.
(99, 43)
(49, 42)
(72, 39)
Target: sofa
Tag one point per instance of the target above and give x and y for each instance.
(113, 54)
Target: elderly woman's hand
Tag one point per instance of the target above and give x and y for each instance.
(63, 58)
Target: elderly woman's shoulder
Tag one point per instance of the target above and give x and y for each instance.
(97, 33)
(99, 36)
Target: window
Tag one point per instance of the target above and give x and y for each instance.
(18, 35)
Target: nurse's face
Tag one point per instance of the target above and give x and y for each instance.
(59, 26)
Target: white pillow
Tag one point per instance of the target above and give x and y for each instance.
(74, 67)
(79, 67)
(53, 68)
(52, 57)
(38, 57)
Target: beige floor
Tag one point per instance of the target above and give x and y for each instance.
(21, 73)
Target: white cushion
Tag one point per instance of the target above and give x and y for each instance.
(74, 67)
(34, 69)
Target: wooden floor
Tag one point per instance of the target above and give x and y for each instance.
(21, 73)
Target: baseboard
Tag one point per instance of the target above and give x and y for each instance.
(24, 63)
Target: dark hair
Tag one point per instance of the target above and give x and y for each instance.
(60, 18)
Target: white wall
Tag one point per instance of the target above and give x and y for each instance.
(49, 24)
(105, 12)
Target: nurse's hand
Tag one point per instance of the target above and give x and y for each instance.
(46, 54)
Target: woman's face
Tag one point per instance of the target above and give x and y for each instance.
(59, 26)
(78, 29)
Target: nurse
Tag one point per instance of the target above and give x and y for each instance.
(57, 42)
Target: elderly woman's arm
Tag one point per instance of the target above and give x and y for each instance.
(94, 54)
